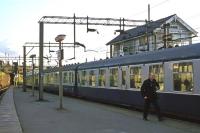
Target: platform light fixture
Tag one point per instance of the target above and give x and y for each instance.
(92, 30)
(120, 31)
(89, 29)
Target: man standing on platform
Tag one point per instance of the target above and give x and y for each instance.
(148, 91)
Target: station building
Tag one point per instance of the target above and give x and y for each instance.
(167, 32)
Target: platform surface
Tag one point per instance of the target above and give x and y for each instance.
(81, 116)
(9, 122)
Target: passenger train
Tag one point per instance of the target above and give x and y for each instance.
(4, 81)
(118, 80)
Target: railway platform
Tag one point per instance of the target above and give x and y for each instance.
(9, 122)
(79, 116)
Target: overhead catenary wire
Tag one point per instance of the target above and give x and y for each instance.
(152, 7)
(197, 15)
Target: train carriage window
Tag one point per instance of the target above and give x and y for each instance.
(114, 77)
(56, 77)
(51, 78)
(44, 79)
(71, 77)
(47, 78)
(83, 78)
(135, 77)
(183, 76)
(65, 78)
(102, 77)
(158, 71)
(36, 79)
(78, 77)
(92, 78)
(123, 77)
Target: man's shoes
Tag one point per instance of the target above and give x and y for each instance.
(145, 119)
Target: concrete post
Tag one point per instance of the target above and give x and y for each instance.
(41, 41)
(60, 76)
(24, 70)
(33, 79)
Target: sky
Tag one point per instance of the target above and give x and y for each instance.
(19, 23)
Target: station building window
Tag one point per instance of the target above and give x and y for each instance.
(83, 78)
(142, 41)
(135, 77)
(116, 49)
(92, 78)
(102, 78)
(128, 47)
(158, 71)
(114, 77)
(183, 76)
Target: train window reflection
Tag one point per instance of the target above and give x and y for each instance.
(48, 78)
(65, 77)
(114, 77)
(51, 77)
(123, 77)
(135, 77)
(36, 79)
(183, 76)
(158, 71)
(56, 77)
(83, 78)
(92, 78)
(102, 77)
(78, 77)
(71, 77)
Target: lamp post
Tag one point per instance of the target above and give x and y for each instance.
(24, 69)
(59, 39)
(33, 67)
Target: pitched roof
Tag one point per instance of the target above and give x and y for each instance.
(140, 30)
